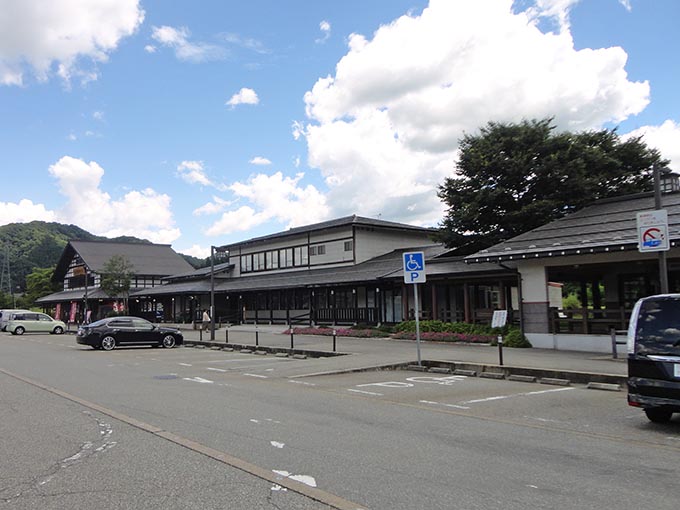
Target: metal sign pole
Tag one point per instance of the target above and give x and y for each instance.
(417, 314)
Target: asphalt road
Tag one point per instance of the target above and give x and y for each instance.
(196, 428)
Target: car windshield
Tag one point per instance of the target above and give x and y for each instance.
(658, 327)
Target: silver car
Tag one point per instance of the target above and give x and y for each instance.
(34, 322)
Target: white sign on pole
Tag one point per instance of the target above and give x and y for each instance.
(414, 267)
(500, 317)
(652, 227)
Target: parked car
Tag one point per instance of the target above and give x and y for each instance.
(654, 356)
(111, 332)
(6, 314)
(33, 322)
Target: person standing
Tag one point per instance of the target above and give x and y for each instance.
(206, 320)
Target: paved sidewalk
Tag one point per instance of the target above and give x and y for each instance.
(365, 353)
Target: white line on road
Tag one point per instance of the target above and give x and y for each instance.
(184, 364)
(442, 404)
(366, 392)
(257, 375)
(502, 397)
(216, 369)
(198, 379)
(303, 382)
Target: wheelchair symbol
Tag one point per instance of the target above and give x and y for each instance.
(412, 264)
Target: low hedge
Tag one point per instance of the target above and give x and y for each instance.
(324, 331)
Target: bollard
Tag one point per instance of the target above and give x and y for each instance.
(200, 334)
(334, 339)
(500, 349)
(257, 337)
(292, 341)
(226, 336)
(612, 332)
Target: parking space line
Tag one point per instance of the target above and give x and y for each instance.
(365, 392)
(455, 406)
(502, 397)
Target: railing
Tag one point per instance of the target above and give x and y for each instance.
(348, 315)
(588, 321)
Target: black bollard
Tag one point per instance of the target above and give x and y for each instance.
(257, 337)
(226, 336)
(500, 349)
(334, 339)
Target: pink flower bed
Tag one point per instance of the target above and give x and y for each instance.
(447, 337)
(360, 333)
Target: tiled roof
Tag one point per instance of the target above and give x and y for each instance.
(338, 222)
(606, 226)
(147, 259)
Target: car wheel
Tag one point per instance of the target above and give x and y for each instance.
(58, 330)
(168, 341)
(658, 415)
(108, 343)
(19, 331)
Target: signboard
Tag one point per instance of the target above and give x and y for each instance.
(414, 267)
(500, 317)
(652, 227)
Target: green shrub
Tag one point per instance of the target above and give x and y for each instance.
(445, 327)
(515, 338)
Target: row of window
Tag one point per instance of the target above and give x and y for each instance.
(285, 257)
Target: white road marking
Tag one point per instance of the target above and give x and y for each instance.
(442, 404)
(306, 479)
(257, 375)
(216, 369)
(365, 392)
(184, 364)
(199, 380)
(446, 381)
(388, 384)
(276, 444)
(303, 382)
(502, 397)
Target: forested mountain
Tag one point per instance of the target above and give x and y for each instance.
(39, 244)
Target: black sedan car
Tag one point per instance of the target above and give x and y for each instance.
(108, 333)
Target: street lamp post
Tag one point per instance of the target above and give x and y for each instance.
(663, 265)
(213, 250)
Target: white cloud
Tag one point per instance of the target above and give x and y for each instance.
(259, 160)
(178, 39)
(271, 197)
(665, 138)
(247, 43)
(391, 117)
(214, 207)
(193, 173)
(72, 35)
(243, 96)
(196, 251)
(144, 214)
(97, 115)
(150, 48)
(23, 212)
(325, 28)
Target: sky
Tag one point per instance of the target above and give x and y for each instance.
(200, 124)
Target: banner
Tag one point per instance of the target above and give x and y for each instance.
(72, 314)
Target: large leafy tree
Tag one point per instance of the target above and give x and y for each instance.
(38, 284)
(116, 277)
(512, 178)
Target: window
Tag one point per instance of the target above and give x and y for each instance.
(286, 257)
(272, 260)
(300, 256)
(246, 263)
(312, 251)
(349, 245)
(258, 261)
(321, 249)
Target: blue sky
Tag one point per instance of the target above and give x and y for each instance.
(205, 123)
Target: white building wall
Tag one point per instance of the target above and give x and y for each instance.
(371, 243)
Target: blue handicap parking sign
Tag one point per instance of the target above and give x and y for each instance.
(414, 267)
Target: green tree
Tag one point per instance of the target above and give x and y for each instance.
(116, 277)
(512, 178)
(38, 284)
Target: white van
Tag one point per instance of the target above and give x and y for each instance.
(6, 315)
